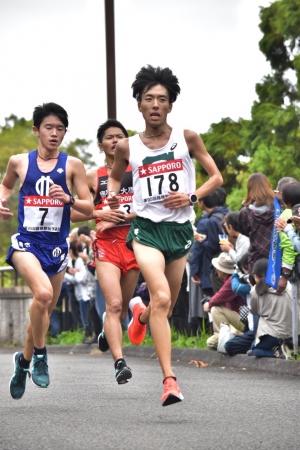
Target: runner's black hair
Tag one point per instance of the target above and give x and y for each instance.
(109, 123)
(150, 76)
(49, 109)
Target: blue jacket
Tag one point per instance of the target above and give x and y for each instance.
(239, 288)
(203, 252)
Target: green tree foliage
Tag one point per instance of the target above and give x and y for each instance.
(269, 142)
(273, 136)
(224, 142)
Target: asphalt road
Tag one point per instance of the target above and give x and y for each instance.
(84, 408)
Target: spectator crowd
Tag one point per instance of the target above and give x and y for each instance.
(250, 281)
(226, 281)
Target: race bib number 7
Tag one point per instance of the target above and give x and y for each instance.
(159, 178)
(42, 213)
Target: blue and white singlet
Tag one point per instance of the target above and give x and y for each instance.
(41, 217)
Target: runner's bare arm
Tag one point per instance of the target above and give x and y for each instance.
(91, 178)
(121, 161)
(6, 188)
(83, 201)
(198, 151)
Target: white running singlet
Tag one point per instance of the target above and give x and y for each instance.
(156, 172)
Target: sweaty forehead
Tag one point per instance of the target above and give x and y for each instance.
(113, 131)
(158, 89)
(52, 120)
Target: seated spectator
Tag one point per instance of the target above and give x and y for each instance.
(240, 284)
(275, 314)
(238, 244)
(225, 304)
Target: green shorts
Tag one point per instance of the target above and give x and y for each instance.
(172, 239)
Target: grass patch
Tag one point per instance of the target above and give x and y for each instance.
(179, 340)
(67, 338)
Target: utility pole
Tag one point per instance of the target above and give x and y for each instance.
(110, 59)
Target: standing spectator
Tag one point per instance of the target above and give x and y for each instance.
(256, 218)
(209, 225)
(77, 275)
(74, 305)
(291, 225)
(290, 196)
(56, 315)
(86, 237)
(280, 185)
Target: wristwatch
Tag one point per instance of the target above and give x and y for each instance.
(193, 198)
(72, 201)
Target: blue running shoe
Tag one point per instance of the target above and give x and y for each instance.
(102, 341)
(17, 383)
(39, 373)
(123, 372)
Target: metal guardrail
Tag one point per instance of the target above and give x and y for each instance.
(9, 277)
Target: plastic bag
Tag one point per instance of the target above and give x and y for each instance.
(225, 335)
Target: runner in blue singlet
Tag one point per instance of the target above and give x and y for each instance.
(39, 249)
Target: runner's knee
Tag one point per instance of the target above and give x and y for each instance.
(43, 298)
(115, 307)
(160, 301)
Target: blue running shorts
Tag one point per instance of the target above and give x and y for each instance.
(52, 257)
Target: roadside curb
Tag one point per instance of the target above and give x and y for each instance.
(212, 358)
(186, 355)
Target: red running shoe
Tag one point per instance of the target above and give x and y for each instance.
(136, 330)
(171, 392)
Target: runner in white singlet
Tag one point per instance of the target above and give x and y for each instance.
(164, 193)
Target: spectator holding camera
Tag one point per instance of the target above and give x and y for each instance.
(241, 284)
(224, 305)
(275, 314)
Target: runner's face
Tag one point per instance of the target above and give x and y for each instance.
(155, 105)
(110, 139)
(51, 133)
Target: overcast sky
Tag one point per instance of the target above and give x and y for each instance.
(55, 51)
